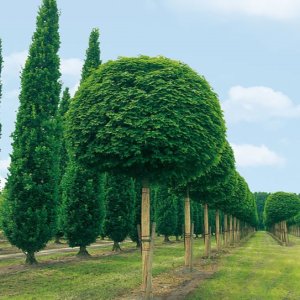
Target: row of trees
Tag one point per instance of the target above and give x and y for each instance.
(147, 124)
(280, 209)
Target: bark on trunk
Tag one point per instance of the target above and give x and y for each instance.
(218, 240)
(225, 230)
(166, 239)
(30, 258)
(145, 238)
(83, 252)
(206, 231)
(116, 247)
(187, 235)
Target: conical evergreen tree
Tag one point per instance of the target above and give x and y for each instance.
(92, 60)
(166, 216)
(29, 223)
(62, 110)
(120, 199)
(84, 194)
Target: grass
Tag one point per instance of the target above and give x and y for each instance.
(260, 269)
(102, 277)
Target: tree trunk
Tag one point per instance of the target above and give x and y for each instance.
(225, 230)
(83, 252)
(218, 240)
(30, 258)
(177, 238)
(116, 247)
(230, 230)
(166, 239)
(234, 231)
(145, 238)
(206, 231)
(57, 240)
(187, 232)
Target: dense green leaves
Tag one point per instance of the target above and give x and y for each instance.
(146, 117)
(32, 184)
(166, 215)
(120, 200)
(92, 60)
(281, 206)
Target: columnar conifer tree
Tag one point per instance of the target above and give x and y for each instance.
(120, 200)
(92, 60)
(29, 221)
(63, 159)
(166, 216)
(84, 189)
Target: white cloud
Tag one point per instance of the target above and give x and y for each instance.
(4, 164)
(13, 63)
(273, 9)
(74, 89)
(2, 182)
(71, 66)
(257, 104)
(247, 155)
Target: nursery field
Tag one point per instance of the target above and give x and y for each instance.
(261, 269)
(258, 269)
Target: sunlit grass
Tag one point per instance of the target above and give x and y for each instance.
(261, 269)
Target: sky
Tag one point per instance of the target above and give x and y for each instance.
(248, 50)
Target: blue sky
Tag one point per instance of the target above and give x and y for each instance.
(249, 50)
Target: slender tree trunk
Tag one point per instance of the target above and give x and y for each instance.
(187, 232)
(177, 238)
(218, 240)
(145, 234)
(225, 230)
(234, 230)
(230, 230)
(83, 252)
(206, 231)
(30, 258)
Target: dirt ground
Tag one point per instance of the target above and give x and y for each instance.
(179, 283)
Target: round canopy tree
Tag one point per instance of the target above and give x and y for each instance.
(149, 118)
(281, 206)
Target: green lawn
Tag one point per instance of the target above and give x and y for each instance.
(260, 269)
(97, 278)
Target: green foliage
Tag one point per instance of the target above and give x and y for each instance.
(216, 186)
(148, 118)
(281, 206)
(92, 60)
(197, 217)
(63, 158)
(120, 201)
(83, 207)
(137, 213)
(260, 198)
(180, 217)
(32, 184)
(166, 215)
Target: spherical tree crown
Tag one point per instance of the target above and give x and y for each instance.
(281, 206)
(146, 117)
